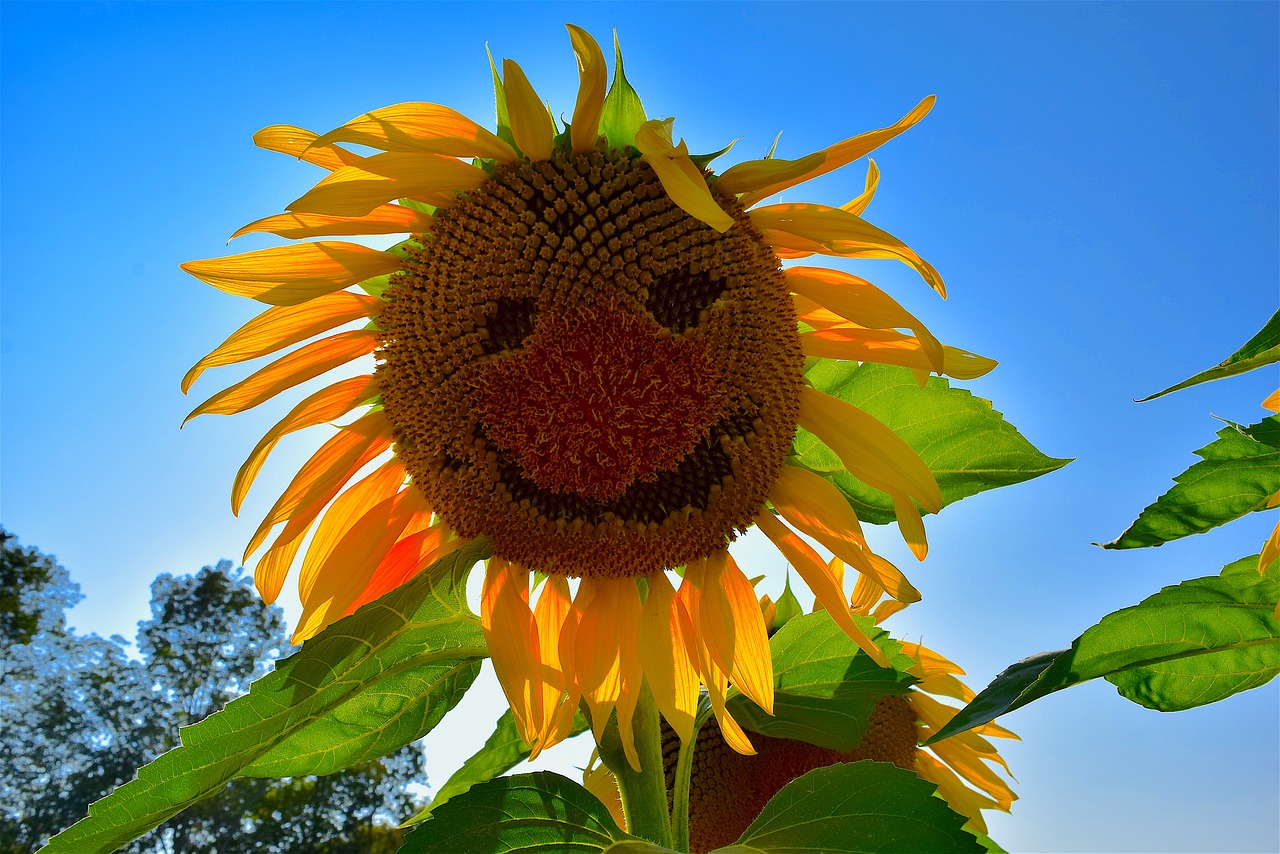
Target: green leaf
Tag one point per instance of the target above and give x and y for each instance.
(1237, 476)
(540, 812)
(967, 445)
(1261, 349)
(623, 113)
(502, 751)
(367, 684)
(1188, 645)
(500, 103)
(825, 688)
(857, 808)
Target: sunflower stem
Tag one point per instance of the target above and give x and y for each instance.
(644, 792)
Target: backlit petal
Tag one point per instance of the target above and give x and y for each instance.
(288, 275)
(859, 204)
(680, 177)
(410, 555)
(384, 219)
(530, 124)
(592, 82)
(288, 139)
(512, 637)
(886, 347)
(417, 126)
(356, 190)
(664, 655)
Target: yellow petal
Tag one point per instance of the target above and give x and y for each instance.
(416, 126)
(832, 231)
(592, 81)
(512, 637)
(746, 176)
(680, 177)
(891, 348)
(861, 302)
(866, 593)
(869, 450)
(815, 574)
(288, 275)
(286, 372)
(840, 154)
(858, 205)
(530, 123)
(716, 680)
(323, 406)
(288, 139)
(960, 797)
(664, 643)
(730, 624)
(280, 326)
(356, 190)
(550, 614)
(911, 525)
(1270, 550)
(969, 766)
(816, 507)
(1273, 401)
(600, 782)
(384, 219)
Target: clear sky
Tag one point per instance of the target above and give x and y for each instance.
(1097, 184)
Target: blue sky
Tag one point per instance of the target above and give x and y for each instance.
(1097, 185)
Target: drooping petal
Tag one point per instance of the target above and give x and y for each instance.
(911, 525)
(680, 177)
(716, 680)
(288, 371)
(325, 405)
(607, 659)
(384, 219)
(810, 228)
(512, 637)
(730, 624)
(288, 275)
(838, 155)
(530, 123)
(288, 139)
(550, 614)
(869, 450)
(815, 574)
(281, 326)
(414, 552)
(859, 204)
(816, 507)
(970, 766)
(891, 348)
(417, 126)
(356, 190)
(593, 79)
(958, 796)
(665, 629)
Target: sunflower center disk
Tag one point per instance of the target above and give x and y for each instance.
(597, 400)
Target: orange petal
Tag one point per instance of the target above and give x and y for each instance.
(530, 123)
(869, 450)
(416, 126)
(730, 624)
(325, 405)
(832, 231)
(512, 638)
(840, 154)
(354, 191)
(891, 348)
(288, 371)
(384, 219)
(403, 561)
(280, 326)
(664, 634)
(552, 610)
(288, 275)
(680, 177)
(817, 575)
(1273, 401)
(858, 205)
(592, 81)
(288, 139)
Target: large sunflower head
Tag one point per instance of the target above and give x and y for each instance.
(588, 351)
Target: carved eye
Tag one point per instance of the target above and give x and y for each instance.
(676, 299)
(509, 323)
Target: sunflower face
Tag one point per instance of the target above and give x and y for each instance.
(577, 367)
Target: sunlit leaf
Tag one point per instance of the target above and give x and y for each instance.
(366, 685)
(540, 812)
(1261, 349)
(1190, 644)
(825, 688)
(1239, 472)
(502, 751)
(967, 445)
(860, 807)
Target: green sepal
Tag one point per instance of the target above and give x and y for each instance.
(500, 103)
(422, 207)
(966, 443)
(702, 161)
(1188, 645)
(623, 114)
(825, 687)
(503, 750)
(787, 607)
(856, 808)
(1238, 473)
(363, 687)
(1262, 349)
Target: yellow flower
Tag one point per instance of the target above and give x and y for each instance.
(588, 352)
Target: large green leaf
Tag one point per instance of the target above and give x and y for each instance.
(541, 812)
(857, 808)
(967, 445)
(623, 113)
(825, 688)
(1239, 472)
(502, 751)
(366, 685)
(1191, 644)
(1261, 349)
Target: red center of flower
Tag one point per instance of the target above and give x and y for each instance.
(598, 399)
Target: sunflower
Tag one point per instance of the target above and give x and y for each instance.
(587, 351)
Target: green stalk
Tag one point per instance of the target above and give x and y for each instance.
(644, 792)
(680, 795)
